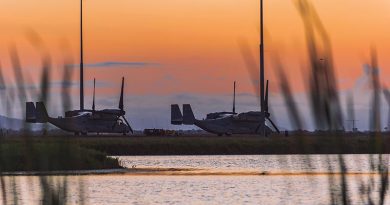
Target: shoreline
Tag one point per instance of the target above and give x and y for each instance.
(177, 172)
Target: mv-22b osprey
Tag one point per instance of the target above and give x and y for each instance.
(83, 121)
(225, 123)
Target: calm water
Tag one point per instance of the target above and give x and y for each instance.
(292, 180)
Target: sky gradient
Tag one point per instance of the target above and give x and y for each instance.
(189, 47)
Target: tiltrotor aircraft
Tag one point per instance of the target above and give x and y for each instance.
(221, 123)
(224, 123)
(83, 120)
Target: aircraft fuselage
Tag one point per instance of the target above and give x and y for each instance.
(243, 123)
(85, 123)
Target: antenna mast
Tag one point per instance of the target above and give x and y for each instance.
(81, 58)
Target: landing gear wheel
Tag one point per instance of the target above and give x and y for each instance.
(84, 133)
(220, 135)
(77, 133)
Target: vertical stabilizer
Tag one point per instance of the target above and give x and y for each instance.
(41, 113)
(176, 116)
(188, 115)
(30, 112)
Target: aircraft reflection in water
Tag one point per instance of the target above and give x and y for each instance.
(225, 123)
(83, 120)
(231, 123)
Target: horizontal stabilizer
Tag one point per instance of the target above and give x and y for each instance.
(188, 115)
(41, 113)
(30, 112)
(176, 116)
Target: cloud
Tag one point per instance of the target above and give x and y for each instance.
(88, 83)
(118, 64)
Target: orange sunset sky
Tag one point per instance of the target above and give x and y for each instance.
(195, 40)
(190, 46)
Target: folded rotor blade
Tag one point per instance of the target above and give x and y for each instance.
(93, 100)
(121, 97)
(234, 97)
(128, 124)
(266, 99)
(273, 125)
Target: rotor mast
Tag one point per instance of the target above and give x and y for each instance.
(81, 58)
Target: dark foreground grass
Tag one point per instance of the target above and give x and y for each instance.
(51, 155)
(214, 145)
(211, 145)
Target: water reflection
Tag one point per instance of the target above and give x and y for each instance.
(222, 189)
(266, 163)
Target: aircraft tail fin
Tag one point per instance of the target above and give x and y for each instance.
(41, 113)
(188, 115)
(31, 116)
(176, 116)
